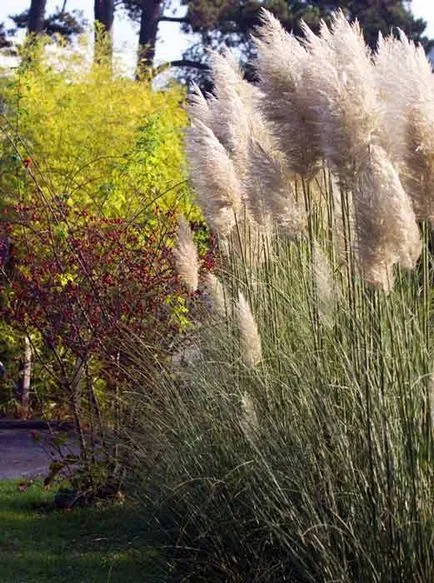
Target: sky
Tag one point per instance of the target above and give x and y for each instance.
(172, 42)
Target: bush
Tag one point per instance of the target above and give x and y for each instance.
(84, 153)
(91, 182)
(99, 140)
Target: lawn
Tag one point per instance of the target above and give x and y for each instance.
(39, 544)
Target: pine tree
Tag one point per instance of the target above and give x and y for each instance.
(231, 22)
(104, 15)
(149, 19)
(60, 23)
(5, 42)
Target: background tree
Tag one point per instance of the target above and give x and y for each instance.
(60, 23)
(148, 14)
(149, 19)
(104, 15)
(5, 42)
(230, 22)
(36, 16)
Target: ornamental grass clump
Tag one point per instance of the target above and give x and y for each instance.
(300, 446)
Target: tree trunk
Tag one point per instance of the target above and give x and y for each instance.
(36, 16)
(23, 388)
(151, 12)
(104, 16)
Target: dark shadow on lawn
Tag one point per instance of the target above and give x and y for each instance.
(39, 544)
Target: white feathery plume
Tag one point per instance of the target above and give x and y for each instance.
(198, 106)
(232, 107)
(344, 97)
(251, 348)
(234, 116)
(406, 85)
(431, 398)
(214, 178)
(223, 111)
(271, 192)
(249, 420)
(217, 293)
(390, 68)
(209, 111)
(386, 229)
(325, 285)
(266, 186)
(342, 93)
(186, 256)
(281, 64)
(231, 116)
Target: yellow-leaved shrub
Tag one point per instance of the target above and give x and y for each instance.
(98, 139)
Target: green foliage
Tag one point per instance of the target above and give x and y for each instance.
(94, 152)
(228, 17)
(9, 354)
(87, 140)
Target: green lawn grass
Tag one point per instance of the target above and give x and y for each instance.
(39, 544)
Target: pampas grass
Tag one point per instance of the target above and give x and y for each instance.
(216, 292)
(385, 221)
(271, 192)
(300, 446)
(213, 175)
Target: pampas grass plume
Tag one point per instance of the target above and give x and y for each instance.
(344, 96)
(281, 64)
(214, 178)
(326, 289)
(217, 293)
(273, 195)
(186, 256)
(406, 84)
(251, 348)
(385, 222)
(249, 420)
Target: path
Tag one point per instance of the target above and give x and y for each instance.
(20, 455)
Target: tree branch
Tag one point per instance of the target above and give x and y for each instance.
(180, 63)
(180, 19)
(188, 63)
